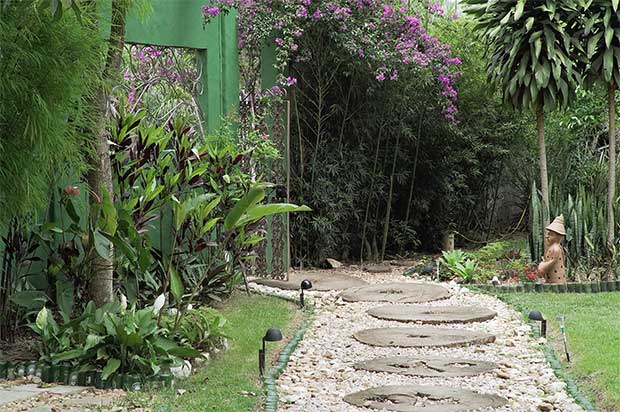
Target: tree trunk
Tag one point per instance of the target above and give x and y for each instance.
(100, 173)
(542, 161)
(386, 225)
(611, 188)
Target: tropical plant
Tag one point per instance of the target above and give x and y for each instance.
(201, 328)
(531, 56)
(602, 65)
(466, 270)
(451, 258)
(49, 66)
(112, 338)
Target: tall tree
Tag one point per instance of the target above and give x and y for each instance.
(100, 173)
(530, 53)
(601, 36)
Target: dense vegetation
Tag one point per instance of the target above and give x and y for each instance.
(406, 123)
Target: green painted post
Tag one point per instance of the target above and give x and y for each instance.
(178, 23)
(230, 63)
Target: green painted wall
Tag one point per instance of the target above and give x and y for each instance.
(178, 23)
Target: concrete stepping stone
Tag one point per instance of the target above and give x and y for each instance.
(422, 337)
(427, 367)
(320, 281)
(417, 398)
(399, 292)
(378, 269)
(432, 314)
(21, 392)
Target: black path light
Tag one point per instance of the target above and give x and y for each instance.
(272, 335)
(538, 317)
(306, 284)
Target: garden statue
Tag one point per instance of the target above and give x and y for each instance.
(553, 267)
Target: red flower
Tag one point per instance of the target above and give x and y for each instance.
(72, 190)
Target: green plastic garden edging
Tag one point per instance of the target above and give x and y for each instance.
(571, 287)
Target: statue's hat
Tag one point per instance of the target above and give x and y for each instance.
(557, 225)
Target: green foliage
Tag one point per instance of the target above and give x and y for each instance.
(601, 39)
(445, 175)
(530, 49)
(202, 328)
(112, 339)
(453, 257)
(586, 225)
(48, 70)
(201, 187)
(457, 263)
(466, 270)
(227, 380)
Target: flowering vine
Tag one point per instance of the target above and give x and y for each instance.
(387, 37)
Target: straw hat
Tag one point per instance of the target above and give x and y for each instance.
(557, 225)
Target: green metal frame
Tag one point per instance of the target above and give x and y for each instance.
(179, 23)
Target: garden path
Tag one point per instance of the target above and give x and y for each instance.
(322, 371)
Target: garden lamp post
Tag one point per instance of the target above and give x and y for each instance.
(306, 284)
(272, 335)
(535, 315)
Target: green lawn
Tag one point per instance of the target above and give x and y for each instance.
(230, 382)
(593, 329)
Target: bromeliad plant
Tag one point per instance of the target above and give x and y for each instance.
(458, 264)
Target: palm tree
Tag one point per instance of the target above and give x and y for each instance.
(601, 36)
(530, 56)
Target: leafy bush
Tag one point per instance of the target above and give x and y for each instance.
(111, 339)
(201, 328)
(450, 259)
(466, 270)
(458, 264)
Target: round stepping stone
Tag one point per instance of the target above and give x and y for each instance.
(417, 398)
(432, 314)
(321, 281)
(422, 337)
(427, 367)
(401, 292)
(378, 269)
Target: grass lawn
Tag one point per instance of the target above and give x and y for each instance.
(230, 382)
(593, 330)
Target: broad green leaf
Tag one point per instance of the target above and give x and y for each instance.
(251, 198)
(41, 320)
(109, 215)
(519, 10)
(176, 284)
(92, 341)
(65, 298)
(110, 367)
(259, 211)
(29, 299)
(67, 355)
(102, 245)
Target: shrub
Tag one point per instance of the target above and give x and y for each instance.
(201, 328)
(111, 339)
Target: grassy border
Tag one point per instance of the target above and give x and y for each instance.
(269, 379)
(554, 362)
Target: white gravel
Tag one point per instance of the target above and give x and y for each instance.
(320, 372)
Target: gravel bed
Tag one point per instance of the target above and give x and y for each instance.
(320, 372)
